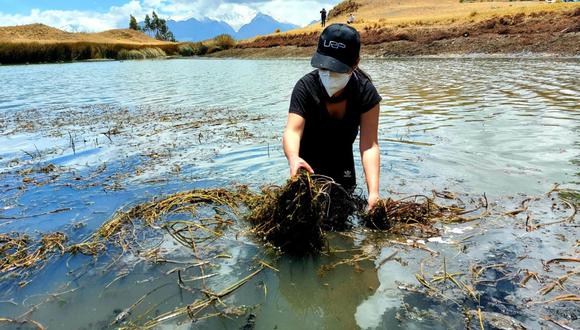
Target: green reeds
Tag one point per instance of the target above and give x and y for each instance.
(50, 52)
(140, 54)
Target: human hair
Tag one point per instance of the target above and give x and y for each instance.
(360, 71)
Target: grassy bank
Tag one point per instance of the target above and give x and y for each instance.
(556, 32)
(43, 52)
(42, 44)
(50, 52)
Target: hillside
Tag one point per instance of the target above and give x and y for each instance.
(44, 33)
(432, 27)
(429, 12)
(38, 43)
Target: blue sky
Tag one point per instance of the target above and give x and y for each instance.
(25, 6)
(99, 15)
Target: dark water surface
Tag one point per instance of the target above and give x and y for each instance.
(120, 133)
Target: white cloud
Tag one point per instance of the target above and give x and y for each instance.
(234, 14)
(300, 12)
(86, 21)
(296, 12)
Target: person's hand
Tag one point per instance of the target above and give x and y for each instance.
(373, 199)
(296, 163)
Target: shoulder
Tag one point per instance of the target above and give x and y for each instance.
(310, 79)
(363, 81)
(309, 84)
(368, 95)
(304, 93)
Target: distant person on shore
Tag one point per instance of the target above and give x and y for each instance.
(323, 17)
(328, 107)
(350, 19)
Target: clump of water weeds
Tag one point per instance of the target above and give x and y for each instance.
(295, 216)
(416, 215)
(18, 251)
(120, 229)
(403, 215)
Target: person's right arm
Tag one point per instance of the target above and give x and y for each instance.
(291, 142)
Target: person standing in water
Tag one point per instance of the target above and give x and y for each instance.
(328, 107)
(323, 17)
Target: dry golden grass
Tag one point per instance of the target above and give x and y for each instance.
(44, 33)
(38, 43)
(408, 13)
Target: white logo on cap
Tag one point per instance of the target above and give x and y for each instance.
(333, 44)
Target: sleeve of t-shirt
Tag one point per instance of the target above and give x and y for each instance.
(298, 99)
(369, 97)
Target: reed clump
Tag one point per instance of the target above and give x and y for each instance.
(219, 43)
(411, 215)
(294, 217)
(185, 50)
(49, 52)
(141, 54)
(388, 213)
(19, 251)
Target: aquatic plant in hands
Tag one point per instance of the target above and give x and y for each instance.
(294, 217)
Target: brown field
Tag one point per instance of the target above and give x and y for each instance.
(422, 27)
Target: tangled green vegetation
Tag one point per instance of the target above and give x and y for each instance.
(292, 218)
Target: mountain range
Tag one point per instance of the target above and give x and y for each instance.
(198, 30)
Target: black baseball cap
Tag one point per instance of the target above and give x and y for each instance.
(338, 48)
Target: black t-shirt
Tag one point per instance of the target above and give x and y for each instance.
(326, 143)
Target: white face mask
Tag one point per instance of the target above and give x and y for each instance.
(333, 82)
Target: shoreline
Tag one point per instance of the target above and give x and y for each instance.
(267, 54)
(225, 55)
(539, 35)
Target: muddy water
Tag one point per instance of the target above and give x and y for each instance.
(120, 133)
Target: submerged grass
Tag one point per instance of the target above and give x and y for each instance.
(293, 217)
(120, 229)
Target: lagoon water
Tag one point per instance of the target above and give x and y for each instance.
(509, 128)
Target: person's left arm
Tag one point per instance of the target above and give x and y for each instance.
(369, 150)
